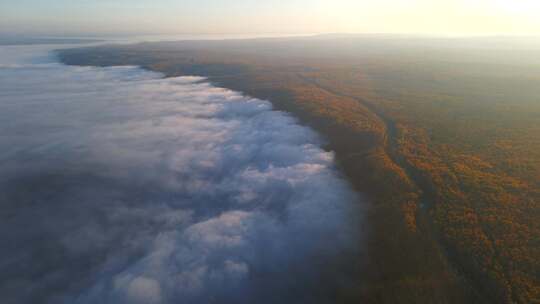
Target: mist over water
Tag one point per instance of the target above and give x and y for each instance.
(120, 186)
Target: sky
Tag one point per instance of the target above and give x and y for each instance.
(461, 17)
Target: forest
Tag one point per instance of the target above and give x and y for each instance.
(442, 134)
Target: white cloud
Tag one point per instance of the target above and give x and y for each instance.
(124, 187)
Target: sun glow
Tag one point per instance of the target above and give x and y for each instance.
(527, 7)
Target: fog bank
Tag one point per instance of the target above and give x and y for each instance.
(120, 186)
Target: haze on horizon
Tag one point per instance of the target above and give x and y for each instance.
(120, 17)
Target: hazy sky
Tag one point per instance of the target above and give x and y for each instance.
(269, 16)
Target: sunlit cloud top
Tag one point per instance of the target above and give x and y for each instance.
(272, 16)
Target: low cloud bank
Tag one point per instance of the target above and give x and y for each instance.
(119, 186)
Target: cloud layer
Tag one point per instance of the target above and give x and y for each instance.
(119, 186)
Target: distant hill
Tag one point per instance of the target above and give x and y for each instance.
(17, 40)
